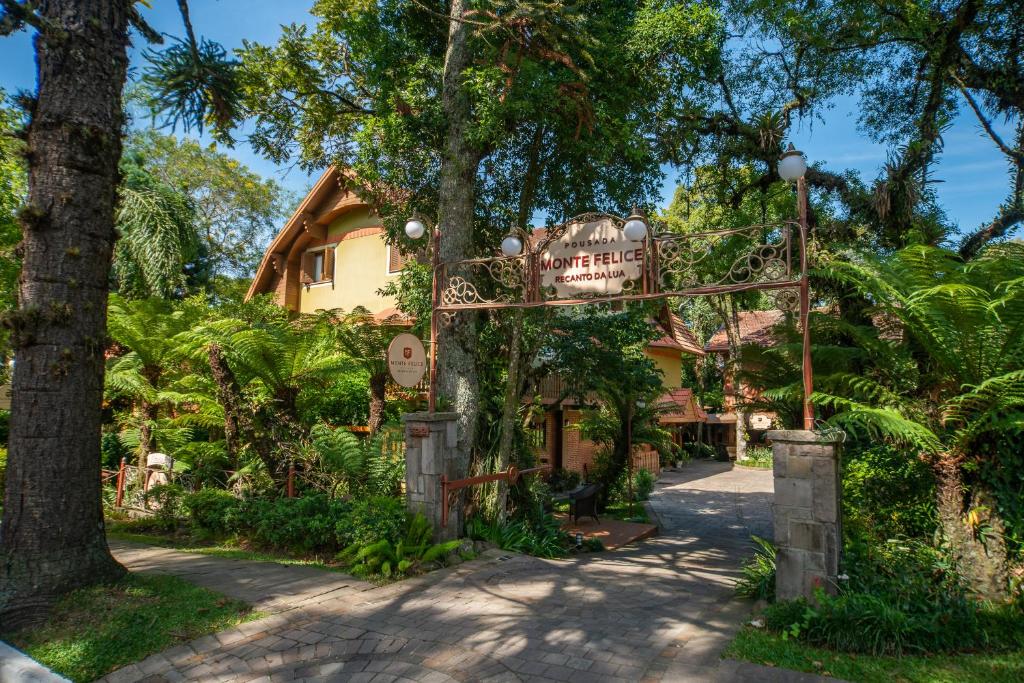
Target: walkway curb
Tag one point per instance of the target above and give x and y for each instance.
(18, 667)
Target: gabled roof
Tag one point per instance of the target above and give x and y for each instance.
(755, 328)
(332, 195)
(684, 407)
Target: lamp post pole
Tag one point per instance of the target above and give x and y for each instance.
(805, 305)
(629, 455)
(435, 262)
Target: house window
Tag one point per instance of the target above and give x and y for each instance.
(318, 265)
(396, 260)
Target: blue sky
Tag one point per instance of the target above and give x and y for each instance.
(973, 172)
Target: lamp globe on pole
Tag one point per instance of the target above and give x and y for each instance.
(415, 228)
(635, 228)
(792, 164)
(511, 246)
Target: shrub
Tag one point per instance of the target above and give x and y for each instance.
(759, 456)
(112, 450)
(901, 597)
(564, 480)
(643, 484)
(371, 519)
(303, 525)
(386, 558)
(3, 472)
(698, 450)
(165, 500)
(758, 579)
(543, 539)
(888, 492)
(209, 508)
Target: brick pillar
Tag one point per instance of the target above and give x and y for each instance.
(805, 512)
(431, 451)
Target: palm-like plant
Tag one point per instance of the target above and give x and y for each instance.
(946, 380)
(158, 235)
(143, 373)
(259, 370)
(365, 340)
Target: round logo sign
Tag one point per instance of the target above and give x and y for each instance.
(407, 360)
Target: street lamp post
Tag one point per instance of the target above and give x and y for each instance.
(792, 167)
(415, 228)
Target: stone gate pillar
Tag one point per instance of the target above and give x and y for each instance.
(431, 451)
(806, 513)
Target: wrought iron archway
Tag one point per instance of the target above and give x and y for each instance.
(667, 269)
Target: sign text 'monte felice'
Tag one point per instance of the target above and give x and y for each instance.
(593, 258)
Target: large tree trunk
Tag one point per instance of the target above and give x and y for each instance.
(378, 390)
(52, 538)
(236, 421)
(514, 383)
(982, 562)
(459, 381)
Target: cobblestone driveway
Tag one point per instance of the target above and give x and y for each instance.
(659, 611)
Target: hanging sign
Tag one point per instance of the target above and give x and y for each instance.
(591, 258)
(407, 361)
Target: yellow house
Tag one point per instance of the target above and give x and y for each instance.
(332, 253)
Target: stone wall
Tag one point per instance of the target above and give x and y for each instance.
(806, 513)
(431, 450)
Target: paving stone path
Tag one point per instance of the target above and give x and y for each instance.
(659, 611)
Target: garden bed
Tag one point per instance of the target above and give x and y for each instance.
(96, 630)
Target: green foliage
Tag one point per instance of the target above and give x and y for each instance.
(209, 509)
(390, 558)
(758, 456)
(564, 480)
(236, 212)
(158, 235)
(542, 539)
(92, 631)
(887, 493)
(3, 472)
(165, 500)
(699, 450)
(342, 402)
(643, 484)
(758, 580)
(901, 597)
(303, 525)
(362, 466)
(13, 191)
(371, 519)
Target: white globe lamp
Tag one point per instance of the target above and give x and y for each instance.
(511, 246)
(635, 228)
(792, 165)
(415, 228)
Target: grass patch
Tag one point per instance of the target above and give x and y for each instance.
(621, 511)
(762, 647)
(95, 630)
(229, 549)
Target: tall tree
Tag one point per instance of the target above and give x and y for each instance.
(52, 537)
(13, 188)
(236, 210)
(437, 106)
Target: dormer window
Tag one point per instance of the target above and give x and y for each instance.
(318, 265)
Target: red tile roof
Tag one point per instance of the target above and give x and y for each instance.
(684, 407)
(755, 328)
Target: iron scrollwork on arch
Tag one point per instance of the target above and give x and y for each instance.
(672, 264)
(752, 255)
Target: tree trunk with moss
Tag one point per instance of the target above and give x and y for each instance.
(53, 538)
(459, 378)
(972, 531)
(378, 389)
